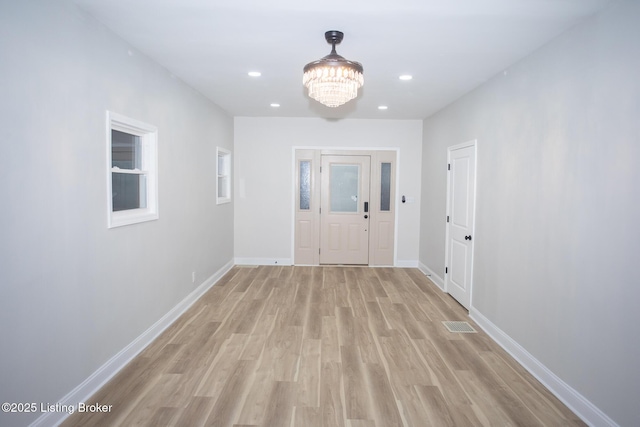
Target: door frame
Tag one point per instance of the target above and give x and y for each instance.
(314, 154)
(472, 143)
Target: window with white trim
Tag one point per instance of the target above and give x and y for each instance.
(223, 173)
(132, 176)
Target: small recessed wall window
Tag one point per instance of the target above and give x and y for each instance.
(132, 176)
(224, 175)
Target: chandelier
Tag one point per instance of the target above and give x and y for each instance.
(333, 80)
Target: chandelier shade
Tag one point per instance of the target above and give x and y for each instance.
(333, 80)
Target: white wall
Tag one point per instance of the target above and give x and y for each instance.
(263, 177)
(74, 293)
(558, 200)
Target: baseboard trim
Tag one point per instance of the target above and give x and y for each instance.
(587, 411)
(439, 282)
(263, 261)
(289, 261)
(107, 371)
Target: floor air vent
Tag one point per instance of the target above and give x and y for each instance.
(462, 327)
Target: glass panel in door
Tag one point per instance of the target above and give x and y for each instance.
(385, 187)
(305, 185)
(344, 188)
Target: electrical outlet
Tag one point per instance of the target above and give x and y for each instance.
(193, 277)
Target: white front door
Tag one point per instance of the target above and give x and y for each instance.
(344, 210)
(461, 185)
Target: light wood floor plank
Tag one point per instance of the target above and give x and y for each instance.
(221, 367)
(383, 401)
(307, 416)
(543, 411)
(163, 417)
(332, 395)
(196, 412)
(330, 346)
(158, 395)
(281, 404)
(410, 406)
(436, 408)
(330, 350)
(308, 376)
(255, 403)
(449, 385)
(356, 393)
(231, 397)
(282, 353)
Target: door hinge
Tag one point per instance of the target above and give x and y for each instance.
(446, 270)
(447, 218)
(318, 251)
(449, 166)
(319, 210)
(320, 169)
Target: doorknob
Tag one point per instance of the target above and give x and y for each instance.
(366, 216)
(467, 237)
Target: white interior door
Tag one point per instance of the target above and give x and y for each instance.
(460, 221)
(344, 210)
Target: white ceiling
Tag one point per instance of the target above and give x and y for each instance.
(449, 46)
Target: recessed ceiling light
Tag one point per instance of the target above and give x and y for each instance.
(275, 105)
(254, 73)
(382, 107)
(405, 77)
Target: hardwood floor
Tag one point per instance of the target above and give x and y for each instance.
(324, 346)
